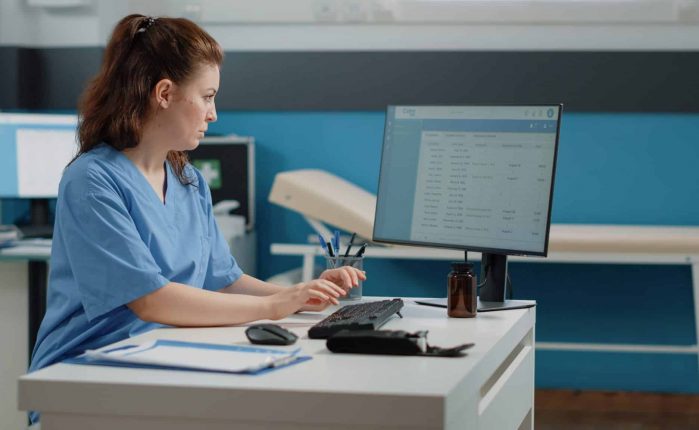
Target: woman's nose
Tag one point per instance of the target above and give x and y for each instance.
(211, 115)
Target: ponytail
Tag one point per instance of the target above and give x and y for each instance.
(141, 52)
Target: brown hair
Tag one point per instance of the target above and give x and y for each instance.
(141, 51)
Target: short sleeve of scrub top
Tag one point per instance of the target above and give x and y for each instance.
(112, 247)
(111, 264)
(222, 269)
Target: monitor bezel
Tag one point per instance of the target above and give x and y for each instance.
(37, 121)
(481, 249)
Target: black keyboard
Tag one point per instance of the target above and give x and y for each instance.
(362, 316)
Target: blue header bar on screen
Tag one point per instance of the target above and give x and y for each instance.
(484, 125)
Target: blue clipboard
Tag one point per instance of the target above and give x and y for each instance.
(289, 358)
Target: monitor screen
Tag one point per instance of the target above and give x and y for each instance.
(228, 165)
(35, 149)
(477, 178)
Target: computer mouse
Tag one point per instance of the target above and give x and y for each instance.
(270, 334)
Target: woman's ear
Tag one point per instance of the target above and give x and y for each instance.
(163, 93)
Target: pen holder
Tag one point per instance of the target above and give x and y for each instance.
(355, 293)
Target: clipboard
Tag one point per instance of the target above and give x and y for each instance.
(193, 356)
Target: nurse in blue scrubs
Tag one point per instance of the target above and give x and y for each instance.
(135, 243)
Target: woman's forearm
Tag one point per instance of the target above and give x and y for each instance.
(251, 286)
(181, 305)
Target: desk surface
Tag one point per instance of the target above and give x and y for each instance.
(325, 391)
(38, 250)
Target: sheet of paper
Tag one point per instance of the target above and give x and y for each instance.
(223, 358)
(41, 157)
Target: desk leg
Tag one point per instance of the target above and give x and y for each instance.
(695, 289)
(38, 279)
(308, 267)
(528, 423)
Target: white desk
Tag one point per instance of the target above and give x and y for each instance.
(40, 250)
(491, 388)
(579, 244)
(20, 314)
(36, 253)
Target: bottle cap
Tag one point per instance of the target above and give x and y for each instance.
(461, 266)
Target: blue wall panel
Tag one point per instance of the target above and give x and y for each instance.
(628, 169)
(670, 373)
(612, 169)
(594, 303)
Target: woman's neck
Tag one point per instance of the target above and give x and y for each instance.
(149, 156)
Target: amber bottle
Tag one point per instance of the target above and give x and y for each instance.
(462, 297)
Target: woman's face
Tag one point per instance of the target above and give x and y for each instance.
(192, 109)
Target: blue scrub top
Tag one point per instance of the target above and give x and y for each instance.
(115, 241)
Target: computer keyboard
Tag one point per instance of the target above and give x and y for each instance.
(362, 316)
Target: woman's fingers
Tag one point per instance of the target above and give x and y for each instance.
(334, 274)
(316, 306)
(333, 287)
(327, 289)
(361, 274)
(346, 277)
(322, 292)
(318, 294)
(350, 275)
(355, 275)
(324, 297)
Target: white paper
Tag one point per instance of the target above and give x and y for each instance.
(42, 155)
(181, 355)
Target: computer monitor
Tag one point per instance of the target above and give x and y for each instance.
(35, 150)
(473, 178)
(228, 165)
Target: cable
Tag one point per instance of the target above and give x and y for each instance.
(509, 287)
(509, 292)
(485, 270)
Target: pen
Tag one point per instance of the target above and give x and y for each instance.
(349, 245)
(330, 249)
(336, 242)
(274, 362)
(361, 251)
(283, 361)
(322, 242)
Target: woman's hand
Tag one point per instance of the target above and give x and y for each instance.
(314, 295)
(346, 276)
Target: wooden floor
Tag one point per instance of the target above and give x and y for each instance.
(583, 410)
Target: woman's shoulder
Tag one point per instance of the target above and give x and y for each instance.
(92, 170)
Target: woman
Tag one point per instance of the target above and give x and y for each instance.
(135, 243)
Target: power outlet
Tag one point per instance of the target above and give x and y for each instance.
(687, 11)
(325, 10)
(354, 11)
(382, 11)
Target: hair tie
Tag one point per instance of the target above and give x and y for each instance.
(149, 21)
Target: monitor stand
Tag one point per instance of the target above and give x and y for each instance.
(492, 295)
(39, 225)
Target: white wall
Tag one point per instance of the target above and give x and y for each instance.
(375, 24)
(14, 326)
(24, 25)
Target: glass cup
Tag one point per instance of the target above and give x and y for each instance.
(354, 293)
